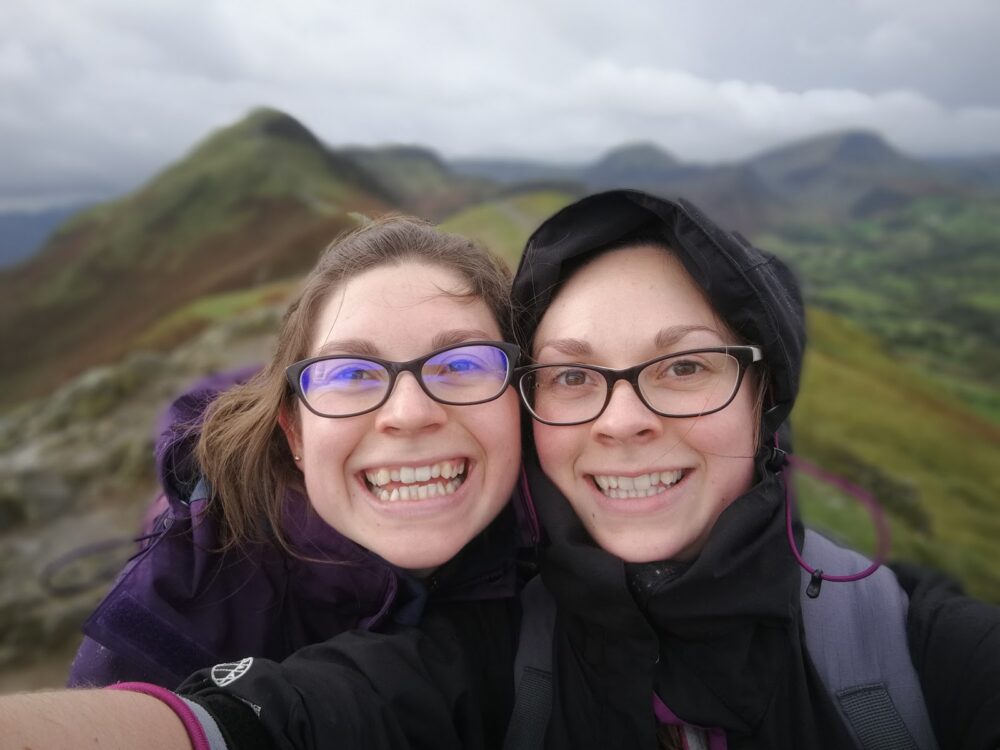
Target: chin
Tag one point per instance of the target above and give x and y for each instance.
(424, 561)
(640, 551)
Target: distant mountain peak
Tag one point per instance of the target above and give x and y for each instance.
(266, 121)
(639, 153)
(631, 165)
(851, 147)
(862, 146)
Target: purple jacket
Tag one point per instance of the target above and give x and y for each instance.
(180, 605)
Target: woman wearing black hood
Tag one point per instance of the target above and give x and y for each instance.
(679, 609)
(679, 617)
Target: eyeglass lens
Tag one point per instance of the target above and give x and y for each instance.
(682, 386)
(461, 375)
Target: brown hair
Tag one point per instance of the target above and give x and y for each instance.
(242, 450)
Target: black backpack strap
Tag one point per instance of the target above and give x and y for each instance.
(856, 637)
(532, 669)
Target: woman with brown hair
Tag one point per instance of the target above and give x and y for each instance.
(331, 489)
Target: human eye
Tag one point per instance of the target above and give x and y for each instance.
(687, 371)
(572, 378)
(467, 363)
(566, 380)
(344, 374)
(463, 364)
(685, 368)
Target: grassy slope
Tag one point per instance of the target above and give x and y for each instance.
(504, 224)
(418, 181)
(861, 412)
(194, 317)
(255, 202)
(922, 278)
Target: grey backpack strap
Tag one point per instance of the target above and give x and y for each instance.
(856, 636)
(532, 669)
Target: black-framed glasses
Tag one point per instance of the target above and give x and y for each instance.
(346, 385)
(691, 383)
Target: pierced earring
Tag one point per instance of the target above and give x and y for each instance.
(297, 458)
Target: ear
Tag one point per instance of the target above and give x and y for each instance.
(289, 424)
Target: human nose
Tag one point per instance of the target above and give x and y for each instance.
(409, 408)
(626, 418)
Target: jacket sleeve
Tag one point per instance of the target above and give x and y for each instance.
(446, 685)
(955, 644)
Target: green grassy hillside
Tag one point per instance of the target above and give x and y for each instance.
(923, 278)
(929, 459)
(505, 223)
(254, 202)
(418, 181)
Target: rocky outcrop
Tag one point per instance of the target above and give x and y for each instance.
(76, 475)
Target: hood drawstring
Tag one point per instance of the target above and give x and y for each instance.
(882, 534)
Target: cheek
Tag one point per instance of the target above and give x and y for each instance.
(326, 446)
(557, 451)
(726, 441)
(499, 428)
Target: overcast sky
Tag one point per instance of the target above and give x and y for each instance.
(98, 95)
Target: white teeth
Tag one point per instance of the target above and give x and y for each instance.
(416, 482)
(642, 485)
(671, 477)
(620, 494)
(412, 474)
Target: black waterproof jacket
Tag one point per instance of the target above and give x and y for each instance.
(720, 641)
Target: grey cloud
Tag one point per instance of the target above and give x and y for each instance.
(98, 94)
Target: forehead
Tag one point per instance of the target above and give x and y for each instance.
(408, 303)
(625, 298)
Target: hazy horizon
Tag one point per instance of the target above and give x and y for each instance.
(101, 94)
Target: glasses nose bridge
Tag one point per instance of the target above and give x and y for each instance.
(415, 368)
(612, 377)
(630, 375)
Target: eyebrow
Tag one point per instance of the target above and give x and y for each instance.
(348, 346)
(667, 337)
(367, 348)
(664, 339)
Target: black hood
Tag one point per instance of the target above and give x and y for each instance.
(755, 293)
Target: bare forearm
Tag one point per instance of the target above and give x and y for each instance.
(103, 719)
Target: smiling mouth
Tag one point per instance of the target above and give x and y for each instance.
(394, 483)
(617, 487)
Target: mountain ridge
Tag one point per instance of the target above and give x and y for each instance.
(251, 203)
(257, 200)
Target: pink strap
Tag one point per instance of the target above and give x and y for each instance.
(716, 737)
(195, 732)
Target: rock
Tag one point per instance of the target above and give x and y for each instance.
(76, 468)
